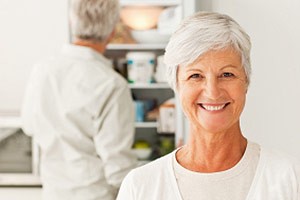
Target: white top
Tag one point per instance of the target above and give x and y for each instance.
(81, 113)
(277, 177)
(232, 184)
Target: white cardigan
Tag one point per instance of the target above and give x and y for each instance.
(277, 178)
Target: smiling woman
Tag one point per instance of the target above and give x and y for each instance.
(208, 63)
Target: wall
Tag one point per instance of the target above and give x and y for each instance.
(271, 116)
(30, 30)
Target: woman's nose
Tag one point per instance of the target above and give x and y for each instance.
(212, 88)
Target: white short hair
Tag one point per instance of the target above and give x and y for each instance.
(93, 19)
(200, 33)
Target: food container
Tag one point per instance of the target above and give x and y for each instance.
(166, 119)
(139, 111)
(142, 149)
(142, 154)
(140, 66)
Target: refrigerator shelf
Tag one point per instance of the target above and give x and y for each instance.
(116, 47)
(146, 124)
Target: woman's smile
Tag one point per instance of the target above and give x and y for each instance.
(213, 107)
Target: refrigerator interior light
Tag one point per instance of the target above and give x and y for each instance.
(141, 17)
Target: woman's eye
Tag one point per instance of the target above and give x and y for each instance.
(195, 76)
(227, 74)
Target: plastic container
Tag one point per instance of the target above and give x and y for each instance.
(140, 66)
(139, 111)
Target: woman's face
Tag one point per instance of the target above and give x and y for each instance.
(213, 90)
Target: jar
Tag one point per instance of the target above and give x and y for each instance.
(140, 66)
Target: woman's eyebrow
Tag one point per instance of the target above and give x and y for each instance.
(229, 66)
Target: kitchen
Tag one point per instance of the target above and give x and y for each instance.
(42, 30)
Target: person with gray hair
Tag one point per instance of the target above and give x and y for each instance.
(208, 66)
(80, 111)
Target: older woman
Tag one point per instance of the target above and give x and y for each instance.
(208, 61)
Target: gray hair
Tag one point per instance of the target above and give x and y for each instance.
(200, 33)
(93, 19)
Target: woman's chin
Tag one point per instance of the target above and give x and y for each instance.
(213, 126)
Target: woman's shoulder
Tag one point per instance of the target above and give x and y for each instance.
(157, 168)
(276, 170)
(149, 181)
(158, 164)
(282, 161)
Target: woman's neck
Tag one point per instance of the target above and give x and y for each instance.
(212, 152)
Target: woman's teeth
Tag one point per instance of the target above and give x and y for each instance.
(213, 108)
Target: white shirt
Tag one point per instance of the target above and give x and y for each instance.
(277, 177)
(231, 184)
(80, 112)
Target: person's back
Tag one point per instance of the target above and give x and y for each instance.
(80, 112)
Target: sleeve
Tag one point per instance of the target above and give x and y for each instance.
(115, 137)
